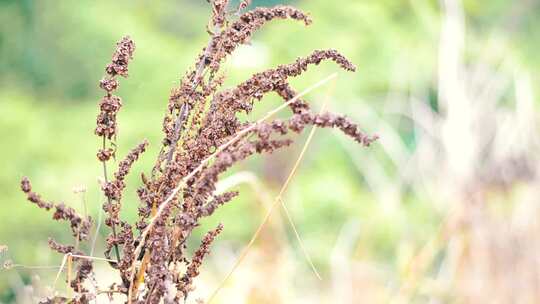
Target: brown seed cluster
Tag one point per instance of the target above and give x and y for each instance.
(154, 266)
(219, 12)
(110, 104)
(193, 269)
(84, 270)
(121, 57)
(113, 189)
(113, 192)
(80, 226)
(240, 31)
(243, 5)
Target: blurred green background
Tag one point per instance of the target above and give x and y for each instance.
(447, 85)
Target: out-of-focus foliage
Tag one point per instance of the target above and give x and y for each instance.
(367, 207)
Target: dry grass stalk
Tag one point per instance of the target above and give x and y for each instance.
(277, 200)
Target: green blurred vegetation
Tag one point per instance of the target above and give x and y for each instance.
(52, 55)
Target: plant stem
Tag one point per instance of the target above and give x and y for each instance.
(113, 226)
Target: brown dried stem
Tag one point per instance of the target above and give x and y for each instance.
(109, 201)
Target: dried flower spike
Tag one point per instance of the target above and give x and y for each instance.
(206, 134)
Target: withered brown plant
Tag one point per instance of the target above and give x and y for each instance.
(203, 138)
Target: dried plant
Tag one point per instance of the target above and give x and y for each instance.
(203, 138)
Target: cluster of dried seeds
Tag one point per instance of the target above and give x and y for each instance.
(80, 227)
(154, 266)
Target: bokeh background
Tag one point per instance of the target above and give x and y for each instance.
(442, 209)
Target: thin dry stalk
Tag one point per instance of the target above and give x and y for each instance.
(299, 239)
(277, 200)
(256, 187)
